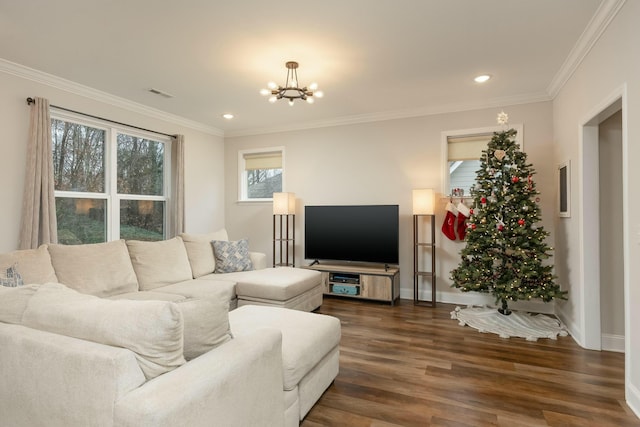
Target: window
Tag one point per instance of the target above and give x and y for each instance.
(464, 161)
(462, 150)
(110, 183)
(261, 173)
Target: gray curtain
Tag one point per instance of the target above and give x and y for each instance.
(177, 158)
(39, 204)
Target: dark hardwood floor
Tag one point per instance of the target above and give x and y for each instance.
(410, 365)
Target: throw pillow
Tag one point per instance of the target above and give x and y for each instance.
(11, 278)
(232, 256)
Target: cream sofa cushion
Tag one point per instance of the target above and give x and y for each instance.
(205, 314)
(218, 290)
(13, 302)
(200, 251)
(34, 265)
(206, 325)
(159, 263)
(306, 337)
(153, 330)
(278, 284)
(100, 269)
(149, 296)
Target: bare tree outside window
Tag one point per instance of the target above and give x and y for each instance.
(78, 157)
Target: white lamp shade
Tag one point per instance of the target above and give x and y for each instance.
(423, 201)
(284, 203)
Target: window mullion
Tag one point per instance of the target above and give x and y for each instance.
(113, 201)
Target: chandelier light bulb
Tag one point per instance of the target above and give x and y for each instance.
(265, 92)
(272, 85)
(273, 99)
(313, 86)
(291, 102)
(310, 100)
(318, 94)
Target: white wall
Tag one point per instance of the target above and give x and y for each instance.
(204, 155)
(380, 163)
(611, 67)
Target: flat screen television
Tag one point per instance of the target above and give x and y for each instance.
(360, 233)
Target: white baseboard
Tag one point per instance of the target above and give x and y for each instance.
(574, 331)
(613, 343)
(633, 398)
(475, 298)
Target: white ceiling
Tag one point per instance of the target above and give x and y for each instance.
(374, 59)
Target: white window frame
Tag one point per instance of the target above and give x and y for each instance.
(110, 195)
(445, 135)
(242, 176)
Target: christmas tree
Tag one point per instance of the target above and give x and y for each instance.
(505, 251)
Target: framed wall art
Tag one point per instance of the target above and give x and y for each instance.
(564, 189)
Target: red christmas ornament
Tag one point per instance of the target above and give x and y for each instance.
(470, 211)
(483, 200)
(500, 227)
(521, 222)
(515, 179)
(473, 226)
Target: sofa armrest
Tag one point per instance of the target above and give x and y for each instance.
(259, 260)
(48, 379)
(236, 384)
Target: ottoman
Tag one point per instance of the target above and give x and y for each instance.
(286, 287)
(310, 353)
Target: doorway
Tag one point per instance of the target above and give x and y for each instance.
(603, 226)
(611, 235)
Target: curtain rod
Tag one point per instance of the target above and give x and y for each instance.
(31, 101)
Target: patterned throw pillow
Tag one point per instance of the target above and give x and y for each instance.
(11, 278)
(232, 256)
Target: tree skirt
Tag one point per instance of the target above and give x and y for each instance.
(517, 324)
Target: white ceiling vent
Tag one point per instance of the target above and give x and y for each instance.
(161, 93)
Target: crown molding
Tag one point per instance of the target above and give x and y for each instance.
(37, 76)
(607, 10)
(594, 30)
(395, 115)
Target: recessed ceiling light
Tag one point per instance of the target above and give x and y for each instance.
(228, 116)
(482, 78)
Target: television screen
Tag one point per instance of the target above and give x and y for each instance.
(364, 233)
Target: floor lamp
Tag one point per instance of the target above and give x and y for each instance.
(423, 205)
(284, 207)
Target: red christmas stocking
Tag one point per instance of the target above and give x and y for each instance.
(449, 225)
(463, 214)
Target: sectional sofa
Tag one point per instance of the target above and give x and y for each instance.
(132, 333)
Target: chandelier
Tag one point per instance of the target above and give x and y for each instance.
(291, 91)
